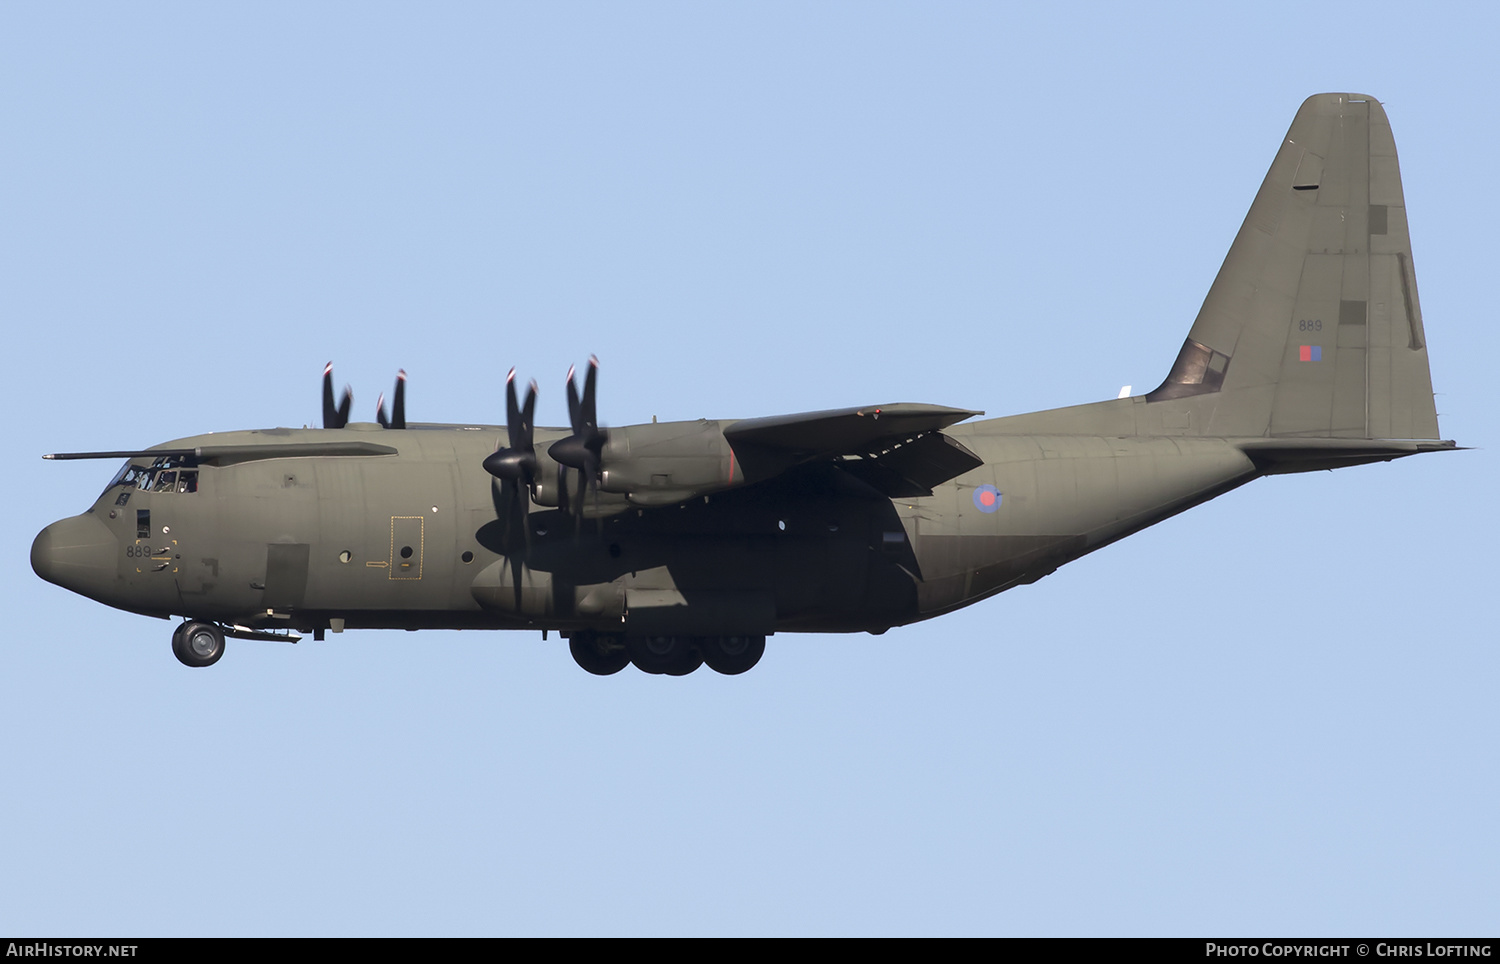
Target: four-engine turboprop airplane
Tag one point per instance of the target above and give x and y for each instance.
(675, 544)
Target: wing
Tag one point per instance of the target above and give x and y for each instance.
(898, 449)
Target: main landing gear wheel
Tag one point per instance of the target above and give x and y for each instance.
(602, 654)
(198, 644)
(686, 664)
(664, 655)
(732, 655)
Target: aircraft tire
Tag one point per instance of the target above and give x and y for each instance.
(664, 655)
(687, 664)
(732, 655)
(599, 653)
(198, 644)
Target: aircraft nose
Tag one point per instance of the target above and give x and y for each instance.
(77, 554)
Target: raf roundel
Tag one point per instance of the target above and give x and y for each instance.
(987, 498)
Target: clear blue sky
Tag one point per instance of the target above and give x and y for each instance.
(1274, 714)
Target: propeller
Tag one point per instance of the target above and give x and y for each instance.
(398, 406)
(583, 450)
(516, 465)
(335, 417)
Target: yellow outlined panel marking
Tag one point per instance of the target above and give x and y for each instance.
(162, 556)
(406, 530)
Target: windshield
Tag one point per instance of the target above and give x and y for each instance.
(170, 473)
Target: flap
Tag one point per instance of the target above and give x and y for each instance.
(913, 468)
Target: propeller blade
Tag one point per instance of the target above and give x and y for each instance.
(573, 403)
(517, 462)
(503, 495)
(516, 466)
(512, 409)
(589, 414)
(583, 450)
(583, 482)
(519, 421)
(512, 506)
(398, 404)
(528, 415)
(508, 500)
(345, 405)
(380, 412)
(330, 411)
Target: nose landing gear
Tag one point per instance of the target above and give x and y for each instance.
(198, 644)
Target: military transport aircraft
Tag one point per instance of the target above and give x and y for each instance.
(681, 543)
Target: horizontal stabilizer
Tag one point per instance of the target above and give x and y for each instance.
(1279, 456)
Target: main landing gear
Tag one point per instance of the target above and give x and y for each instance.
(604, 654)
(198, 644)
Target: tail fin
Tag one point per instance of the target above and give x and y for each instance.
(1312, 328)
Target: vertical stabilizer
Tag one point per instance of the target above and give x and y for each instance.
(1312, 328)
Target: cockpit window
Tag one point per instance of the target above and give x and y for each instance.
(128, 476)
(171, 473)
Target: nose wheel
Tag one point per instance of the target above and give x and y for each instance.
(198, 644)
